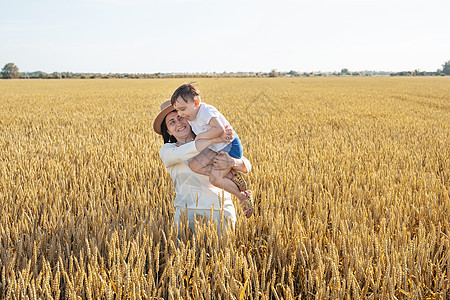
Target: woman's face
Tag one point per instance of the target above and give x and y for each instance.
(177, 125)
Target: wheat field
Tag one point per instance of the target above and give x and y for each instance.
(350, 177)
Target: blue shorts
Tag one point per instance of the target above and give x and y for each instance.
(234, 149)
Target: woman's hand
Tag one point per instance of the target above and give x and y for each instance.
(223, 161)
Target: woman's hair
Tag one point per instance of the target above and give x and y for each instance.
(166, 136)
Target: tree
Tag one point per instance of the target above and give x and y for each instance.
(10, 70)
(273, 73)
(293, 73)
(446, 68)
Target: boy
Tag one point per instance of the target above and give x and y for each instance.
(208, 123)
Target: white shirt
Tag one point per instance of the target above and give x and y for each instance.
(201, 123)
(192, 190)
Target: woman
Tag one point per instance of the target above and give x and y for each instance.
(195, 195)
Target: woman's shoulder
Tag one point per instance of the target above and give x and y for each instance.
(173, 150)
(167, 146)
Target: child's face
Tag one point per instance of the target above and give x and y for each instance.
(187, 110)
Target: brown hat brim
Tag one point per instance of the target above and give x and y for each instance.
(160, 117)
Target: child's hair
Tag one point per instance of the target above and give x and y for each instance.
(188, 92)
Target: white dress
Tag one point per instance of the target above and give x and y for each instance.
(193, 191)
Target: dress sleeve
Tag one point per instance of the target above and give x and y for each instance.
(247, 164)
(171, 154)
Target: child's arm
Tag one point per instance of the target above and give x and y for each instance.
(217, 129)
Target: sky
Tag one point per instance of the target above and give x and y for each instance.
(188, 36)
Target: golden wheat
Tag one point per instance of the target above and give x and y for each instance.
(351, 180)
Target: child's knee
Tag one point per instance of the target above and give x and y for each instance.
(194, 166)
(214, 180)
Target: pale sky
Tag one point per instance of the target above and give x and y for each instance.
(137, 36)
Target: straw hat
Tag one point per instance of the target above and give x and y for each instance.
(166, 108)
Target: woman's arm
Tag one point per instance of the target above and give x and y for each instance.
(171, 154)
(224, 161)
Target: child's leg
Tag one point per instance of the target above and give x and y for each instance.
(235, 150)
(202, 163)
(220, 178)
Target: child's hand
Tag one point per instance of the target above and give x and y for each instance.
(228, 134)
(226, 137)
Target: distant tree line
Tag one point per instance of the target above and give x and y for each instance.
(64, 75)
(11, 71)
(440, 72)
